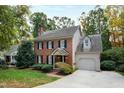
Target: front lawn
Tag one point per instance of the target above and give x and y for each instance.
(24, 78)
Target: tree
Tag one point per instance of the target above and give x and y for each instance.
(38, 19)
(22, 13)
(116, 24)
(13, 25)
(25, 55)
(96, 23)
(63, 22)
(8, 30)
(50, 24)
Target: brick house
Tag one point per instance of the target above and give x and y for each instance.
(63, 46)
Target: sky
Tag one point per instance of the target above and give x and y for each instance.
(71, 11)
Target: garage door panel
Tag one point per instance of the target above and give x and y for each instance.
(86, 64)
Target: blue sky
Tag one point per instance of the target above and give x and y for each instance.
(71, 11)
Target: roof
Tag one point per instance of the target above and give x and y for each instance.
(96, 43)
(60, 33)
(59, 51)
(12, 51)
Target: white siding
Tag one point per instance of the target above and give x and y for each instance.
(75, 42)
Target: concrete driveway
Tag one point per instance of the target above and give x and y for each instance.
(88, 79)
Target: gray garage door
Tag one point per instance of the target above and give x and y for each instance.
(86, 64)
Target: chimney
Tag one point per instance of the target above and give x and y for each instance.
(40, 31)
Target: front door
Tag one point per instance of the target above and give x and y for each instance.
(58, 58)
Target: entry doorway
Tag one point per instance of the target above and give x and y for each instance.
(58, 58)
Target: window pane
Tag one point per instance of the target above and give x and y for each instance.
(62, 44)
(40, 45)
(86, 41)
(49, 59)
(39, 59)
(49, 44)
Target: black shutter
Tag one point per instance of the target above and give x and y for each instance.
(59, 43)
(47, 44)
(52, 44)
(42, 45)
(41, 59)
(47, 59)
(37, 58)
(37, 45)
(65, 43)
(52, 60)
(64, 59)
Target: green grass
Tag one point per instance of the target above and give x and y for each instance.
(122, 73)
(23, 78)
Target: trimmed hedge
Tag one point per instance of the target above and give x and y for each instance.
(37, 66)
(47, 68)
(108, 65)
(120, 68)
(115, 54)
(4, 67)
(2, 61)
(42, 67)
(64, 68)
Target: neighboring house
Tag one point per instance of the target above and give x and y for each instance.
(10, 54)
(68, 45)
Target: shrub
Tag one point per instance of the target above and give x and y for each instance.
(115, 54)
(120, 68)
(108, 65)
(46, 68)
(3, 67)
(2, 61)
(37, 66)
(25, 55)
(64, 68)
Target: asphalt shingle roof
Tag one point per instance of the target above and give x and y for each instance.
(60, 33)
(11, 50)
(95, 42)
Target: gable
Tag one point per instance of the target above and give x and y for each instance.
(96, 43)
(59, 51)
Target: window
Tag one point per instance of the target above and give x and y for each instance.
(40, 59)
(49, 45)
(62, 44)
(40, 45)
(50, 59)
(86, 42)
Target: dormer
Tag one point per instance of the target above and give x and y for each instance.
(86, 44)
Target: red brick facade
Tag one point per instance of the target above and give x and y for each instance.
(46, 52)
